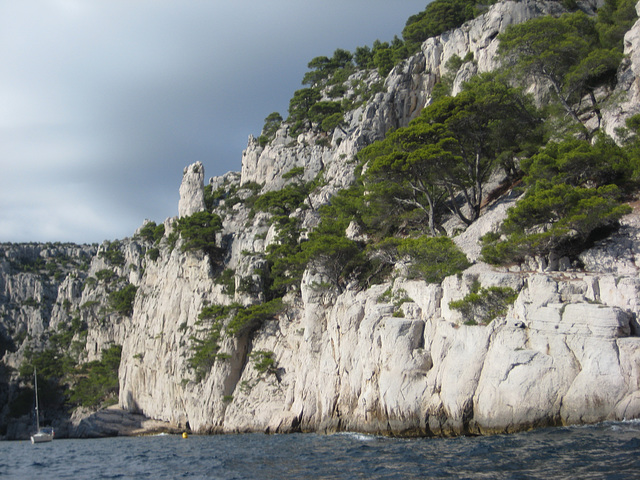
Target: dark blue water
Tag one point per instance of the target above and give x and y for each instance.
(608, 450)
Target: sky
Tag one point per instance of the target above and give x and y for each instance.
(104, 102)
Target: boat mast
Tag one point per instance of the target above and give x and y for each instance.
(35, 375)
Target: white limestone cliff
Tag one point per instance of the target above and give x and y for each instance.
(192, 190)
(346, 362)
(391, 359)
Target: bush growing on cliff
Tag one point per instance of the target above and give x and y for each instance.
(97, 383)
(300, 106)
(205, 351)
(283, 201)
(152, 232)
(482, 305)
(227, 280)
(271, 125)
(432, 258)
(567, 53)
(121, 301)
(285, 265)
(248, 319)
(264, 362)
(198, 231)
(439, 17)
(574, 190)
(112, 253)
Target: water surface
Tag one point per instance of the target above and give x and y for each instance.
(607, 450)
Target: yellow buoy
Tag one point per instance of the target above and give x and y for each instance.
(184, 435)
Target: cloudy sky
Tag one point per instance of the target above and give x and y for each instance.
(104, 102)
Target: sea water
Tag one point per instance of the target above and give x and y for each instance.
(607, 450)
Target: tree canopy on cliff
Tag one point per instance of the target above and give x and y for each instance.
(574, 189)
(574, 53)
(198, 232)
(439, 17)
(452, 148)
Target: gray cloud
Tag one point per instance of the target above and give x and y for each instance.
(105, 101)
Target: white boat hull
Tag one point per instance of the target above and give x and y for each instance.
(42, 437)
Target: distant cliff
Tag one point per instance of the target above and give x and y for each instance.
(393, 358)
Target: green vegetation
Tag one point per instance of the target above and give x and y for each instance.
(152, 232)
(240, 321)
(450, 151)
(264, 362)
(198, 232)
(271, 125)
(574, 53)
(121, 301)
(106, 275)
(55, 268)
(206, 350)
(112, 253)
(28, 265)
(575, 190)
(228, 281)
(432, 258)
(153, 253)
(249, 319)
(97, 381)
(439, 17)
(61, 381)
(482, 305)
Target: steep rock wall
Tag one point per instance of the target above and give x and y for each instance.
(353, 360)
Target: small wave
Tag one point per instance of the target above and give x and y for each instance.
(631, 421)
(363, 437)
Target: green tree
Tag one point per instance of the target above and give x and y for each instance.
(321, 68)
(454, 146)
(249, 319)
(152, 232)
(581, 163)
(327, 249)
(433, 258)
(439, 17)
(324, 109)
(300, 105)
(198, 232)
(565, 52)
(487, 122)
(333, 255)
(271, 125)
(284, 260)
(283, 201)
(412, 158)
(122, 300)
(98, 380)
(573, 191)
(363, 57)
(615, 18)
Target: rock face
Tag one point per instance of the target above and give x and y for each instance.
(628, 87)
(192, 190)
(391, 359)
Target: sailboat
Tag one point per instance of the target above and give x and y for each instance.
(44, 434)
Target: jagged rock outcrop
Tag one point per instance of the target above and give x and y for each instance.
(192, 190)
(37, 283)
